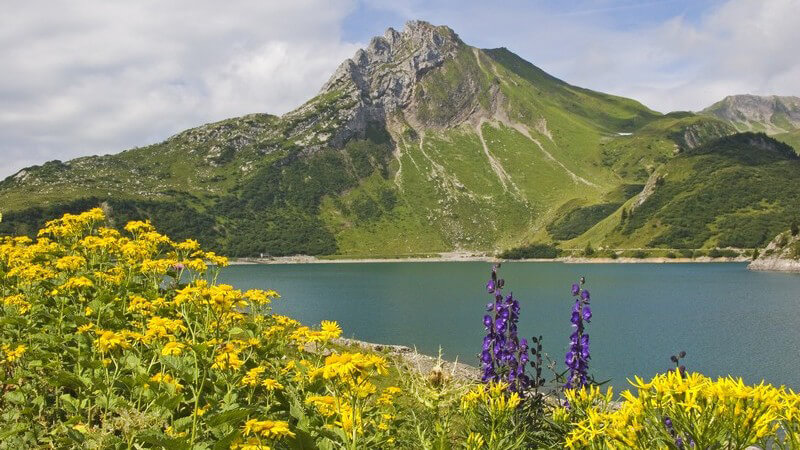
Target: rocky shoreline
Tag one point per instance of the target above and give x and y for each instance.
(775, 265)
(780, 255)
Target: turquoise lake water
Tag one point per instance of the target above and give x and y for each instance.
(729, 320)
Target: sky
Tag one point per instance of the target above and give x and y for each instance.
(84, 77)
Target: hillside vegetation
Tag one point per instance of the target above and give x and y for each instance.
(470, 149)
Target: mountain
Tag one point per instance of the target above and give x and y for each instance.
(775, 115)
(420, 143)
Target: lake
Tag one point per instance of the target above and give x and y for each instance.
(729, 320)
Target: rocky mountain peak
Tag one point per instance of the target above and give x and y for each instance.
(772, 113)
(385, 71)
(377, 81)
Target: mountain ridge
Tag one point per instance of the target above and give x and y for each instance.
(404, 149)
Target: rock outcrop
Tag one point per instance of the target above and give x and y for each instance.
(380, 79)
(781, 255)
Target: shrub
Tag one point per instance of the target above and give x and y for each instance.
(543, 251)
(588, 251)
(671, 255)
(577, 221)
(722, 253)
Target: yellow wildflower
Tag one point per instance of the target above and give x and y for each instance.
(12, 355)
(268, 428)
(70, 262)
(110, 340)
(271, 384)
(172, 348)
(17, 301)
(75, 283)
(164, 378)
(252, 376)
(136, 227)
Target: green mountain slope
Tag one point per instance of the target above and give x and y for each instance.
(420, 143)
(737, 191)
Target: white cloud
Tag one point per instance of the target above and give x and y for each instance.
(88, 77)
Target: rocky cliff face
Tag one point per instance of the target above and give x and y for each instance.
(380, 79)
(772, 114)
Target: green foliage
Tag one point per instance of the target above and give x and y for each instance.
(578, 220)
(178, 218)
(588, 250)
(365, 208)
(532, 251)
(722, 253)
(720, 191)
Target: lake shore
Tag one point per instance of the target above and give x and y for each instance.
(470, 257)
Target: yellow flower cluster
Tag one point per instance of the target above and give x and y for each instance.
(166, 379)
(267, 428)
(350, 366)
(12, 354)
(17, 301)
(725, 411)
(304, 335)
(494, 396)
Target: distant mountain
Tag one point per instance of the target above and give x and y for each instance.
(421, 143)
(775, 115)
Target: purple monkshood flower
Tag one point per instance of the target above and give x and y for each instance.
(504, 356)
(578, 355)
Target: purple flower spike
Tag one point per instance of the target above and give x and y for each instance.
(578, 355)
(504, 355)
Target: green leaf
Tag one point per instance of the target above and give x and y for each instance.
(233, 416)
(66, 379)
(15, 429)
(225, 442)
